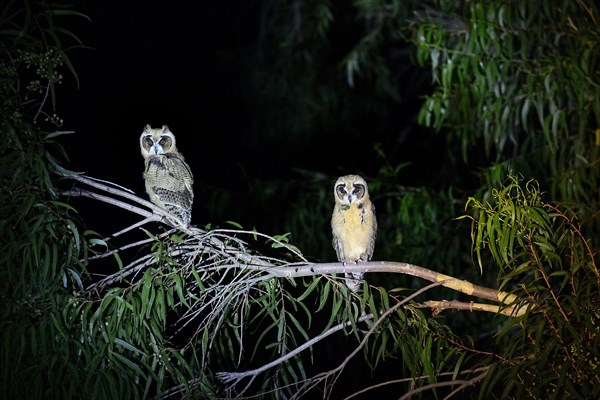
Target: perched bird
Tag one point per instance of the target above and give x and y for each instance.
(167, 176)
(353, 224)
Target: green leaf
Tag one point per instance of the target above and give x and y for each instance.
(315, 282)
(234, 224)
(129, 347)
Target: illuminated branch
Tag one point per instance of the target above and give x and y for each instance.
(293, 270)
(308, 269)
(234, 269)
(439, 306)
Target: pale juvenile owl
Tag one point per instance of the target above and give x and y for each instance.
(353, 224)
(168, 177)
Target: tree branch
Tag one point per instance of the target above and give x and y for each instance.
(290, 270)
(294, 270)
(419, 378)
(236, 377)
(203, 253)
(438, 306)
(337, 371)
(463, 384)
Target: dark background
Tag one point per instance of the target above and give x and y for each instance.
(160, 63)
(192, 66)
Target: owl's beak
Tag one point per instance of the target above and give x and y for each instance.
(155, 149)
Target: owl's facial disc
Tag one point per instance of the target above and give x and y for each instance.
(164, 144)
(156, 147)
(356, 194)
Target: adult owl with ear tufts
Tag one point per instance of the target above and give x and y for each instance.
(167, 176)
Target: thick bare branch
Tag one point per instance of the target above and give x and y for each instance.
(440, 305)
(78, 192)
(299, 270)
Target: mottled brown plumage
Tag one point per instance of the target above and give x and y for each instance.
(167, 176)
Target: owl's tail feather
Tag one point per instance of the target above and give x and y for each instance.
(183, 214)
(353, 281)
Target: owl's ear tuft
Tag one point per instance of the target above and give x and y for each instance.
(147, 128)
(165, 129)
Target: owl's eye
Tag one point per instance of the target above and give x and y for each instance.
(358, 189)
(341, 190)
(165, 142)
(148, 141)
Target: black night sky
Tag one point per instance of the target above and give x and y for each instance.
(188, 66)
(160, 63)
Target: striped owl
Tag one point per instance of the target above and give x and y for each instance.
(167, 176)
(353, 224)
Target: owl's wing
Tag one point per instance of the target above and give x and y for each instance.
(371, 246)
(169, 185)
(180, 170)
(339, 248)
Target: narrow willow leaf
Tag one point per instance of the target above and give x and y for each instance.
(129, 347)
(179, 287)
(298, 326)
(334, 312)
(309, 289)
(324, 295)
(234, 224)
(121, 359)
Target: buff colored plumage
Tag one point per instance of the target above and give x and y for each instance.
(353, 224)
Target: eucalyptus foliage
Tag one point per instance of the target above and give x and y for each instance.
(204, 313)
(521, 79)
(41, 246)
(545, 258)
(512, 84)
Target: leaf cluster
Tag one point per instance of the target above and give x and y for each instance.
(177, 319)
(549, 263)
(519, 79)
(41, 244)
